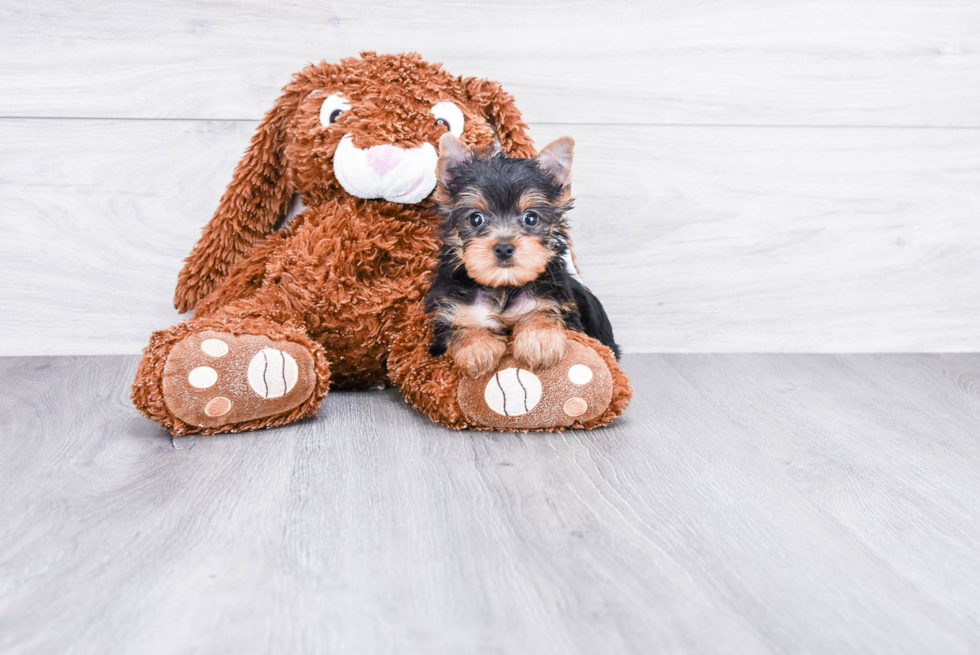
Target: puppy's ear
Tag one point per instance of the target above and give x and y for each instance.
(256, 199)
(556, 159)
(503, 115)
(452, 152)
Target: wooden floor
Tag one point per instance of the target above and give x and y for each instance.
(744, 504)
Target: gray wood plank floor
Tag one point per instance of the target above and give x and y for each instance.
(744, 504)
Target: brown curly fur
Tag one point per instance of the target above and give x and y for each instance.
(347, 279)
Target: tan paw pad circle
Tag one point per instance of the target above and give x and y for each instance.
(214, 347)
(575, 406)
(513, 392)
(202, 377)
(217, 406)
(580, 374)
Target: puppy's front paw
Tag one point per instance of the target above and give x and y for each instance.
(478, 352)
(540, 348)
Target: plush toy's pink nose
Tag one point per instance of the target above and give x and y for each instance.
(383, 158)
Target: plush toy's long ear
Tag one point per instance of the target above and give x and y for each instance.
(503, 114)
(257, 197)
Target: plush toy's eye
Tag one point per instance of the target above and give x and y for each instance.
(530, 219)
(448, 114)
(477, 219)
(332, 108)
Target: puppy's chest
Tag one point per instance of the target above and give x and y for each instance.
(495, 311)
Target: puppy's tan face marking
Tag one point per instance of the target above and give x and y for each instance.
(473, 200)
(478, 249)
(529, 260)
(530, 200)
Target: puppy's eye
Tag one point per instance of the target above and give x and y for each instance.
(477, 219)
(530, 219)
(332, 108)
(450, 116)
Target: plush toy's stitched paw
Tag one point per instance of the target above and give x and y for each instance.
(575, 390)
(217, 378)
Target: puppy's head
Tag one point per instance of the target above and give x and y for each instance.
(505, 217)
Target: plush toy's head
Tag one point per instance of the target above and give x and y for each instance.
(367, 128)
(371, 125)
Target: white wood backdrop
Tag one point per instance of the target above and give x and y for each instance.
(751, 175)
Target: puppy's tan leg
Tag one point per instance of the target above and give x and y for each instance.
(476, 351)
(539, 341)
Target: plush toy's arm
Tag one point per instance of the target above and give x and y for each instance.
(245, 277)
(257, 197)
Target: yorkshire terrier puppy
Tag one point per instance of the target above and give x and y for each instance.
(504, 266)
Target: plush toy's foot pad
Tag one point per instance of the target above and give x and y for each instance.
(218, 378)
(573, 391)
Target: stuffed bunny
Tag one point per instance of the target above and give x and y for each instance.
(335, 297)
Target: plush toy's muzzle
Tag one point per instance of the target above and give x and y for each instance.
(404, 175)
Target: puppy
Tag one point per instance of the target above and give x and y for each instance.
(503, 273)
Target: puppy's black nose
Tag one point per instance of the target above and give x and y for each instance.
(504, 250)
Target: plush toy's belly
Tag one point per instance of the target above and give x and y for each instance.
(357, 353)
(355, 273)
